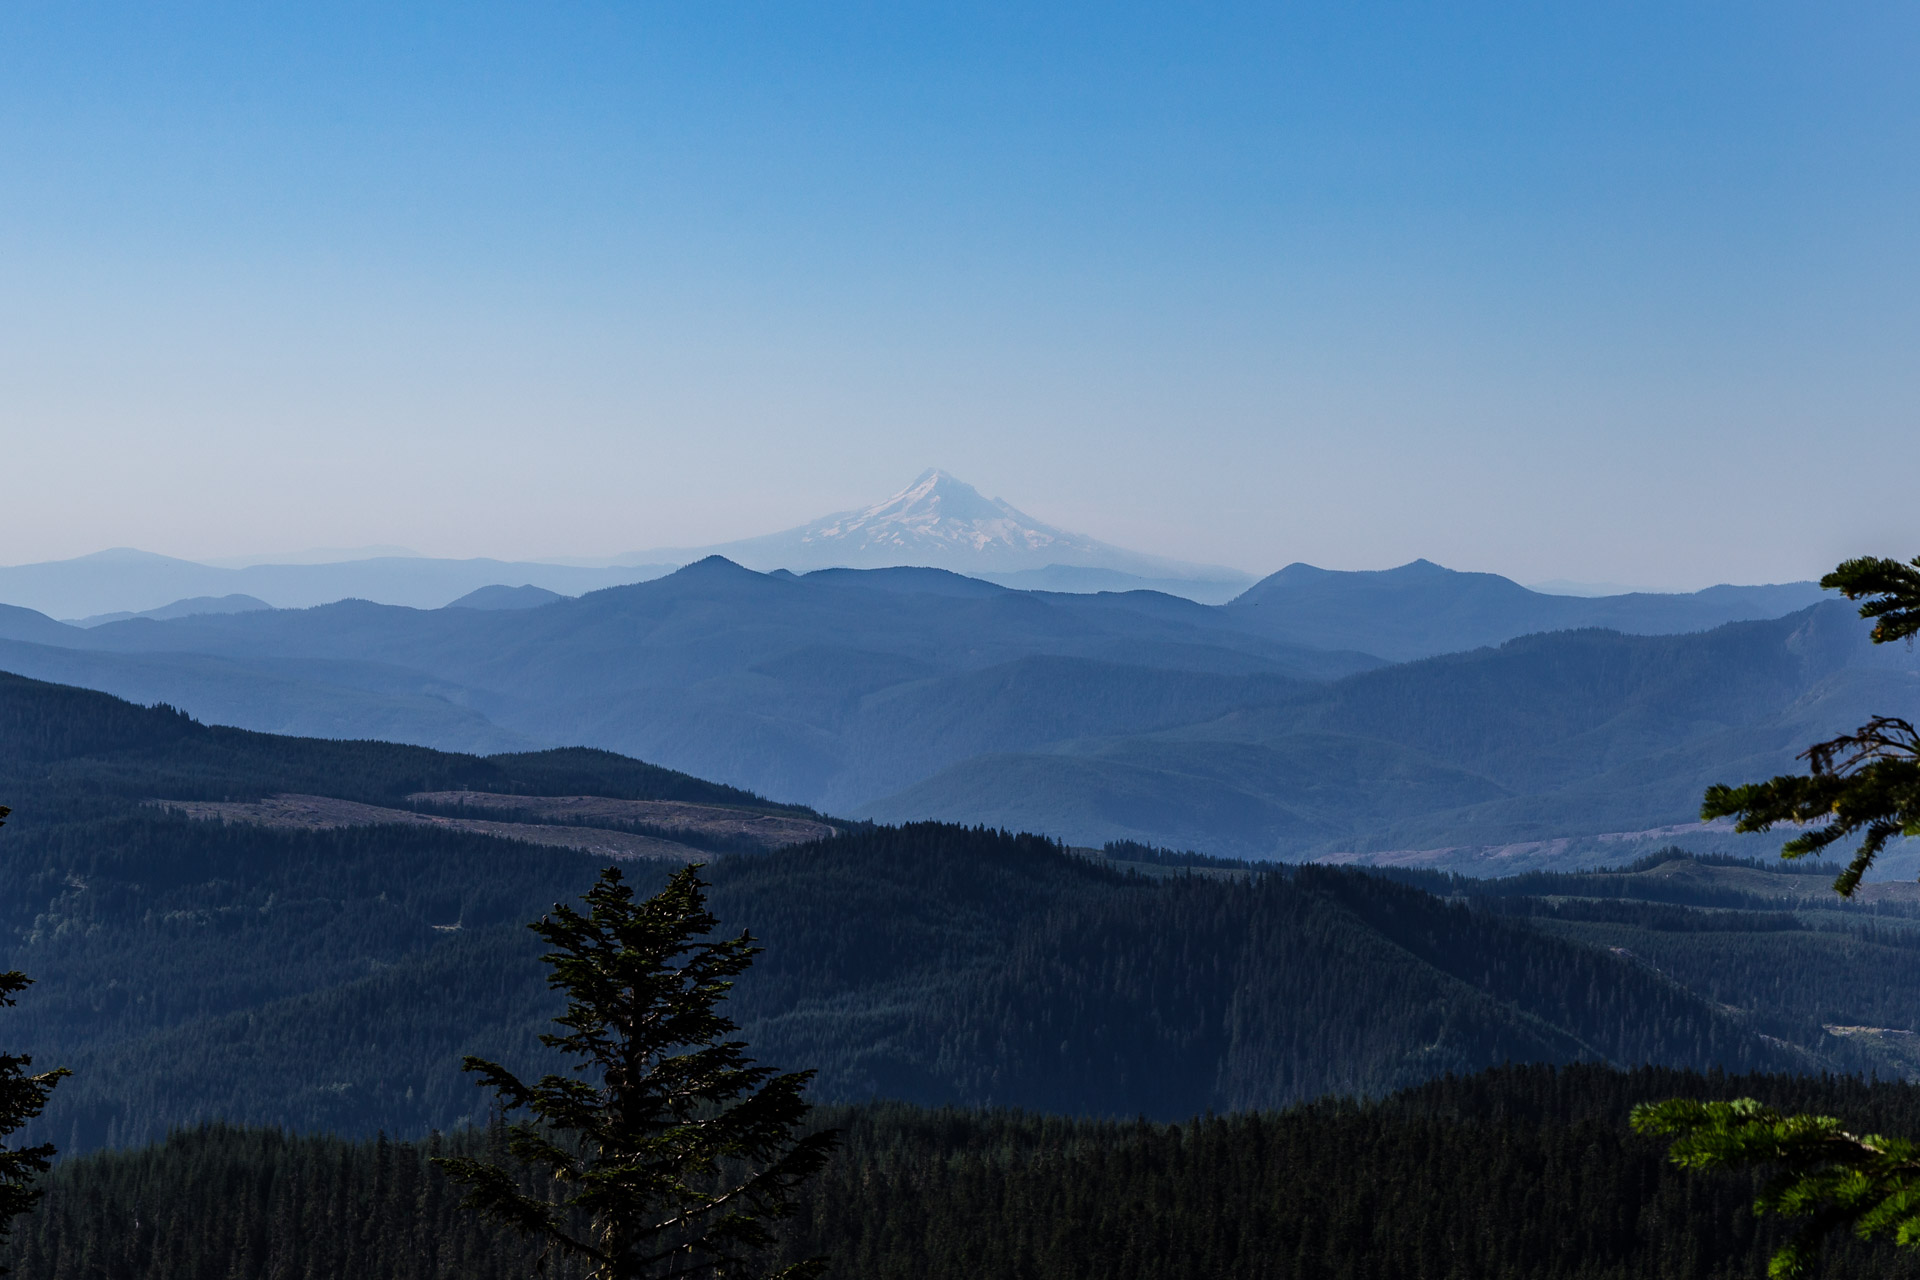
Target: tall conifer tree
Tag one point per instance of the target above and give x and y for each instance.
(22, 1097)
(669, 1150)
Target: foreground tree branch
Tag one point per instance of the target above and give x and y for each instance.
(1830, 1177)
(1867, 781)
(1862, 783)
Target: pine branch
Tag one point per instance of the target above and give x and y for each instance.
(1865, 781)
(1892, 591)
(1833, 1178)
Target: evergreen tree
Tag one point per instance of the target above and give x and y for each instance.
(1867, 781)
(22, 1097)
(669, 1151)
(1864, 781)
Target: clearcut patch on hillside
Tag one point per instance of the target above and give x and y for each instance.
(322, 812)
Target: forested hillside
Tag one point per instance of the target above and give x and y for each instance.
(1520, 1173)
(1773, 941)
(165, 948)
(1101, 994)
(1547, 736)
(331, 979)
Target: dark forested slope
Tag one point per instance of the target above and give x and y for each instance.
(58, 743)
(1515, 1174)
(333, 979)
(975, 968)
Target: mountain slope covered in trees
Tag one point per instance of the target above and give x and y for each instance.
(1547, 736)
(331, 979)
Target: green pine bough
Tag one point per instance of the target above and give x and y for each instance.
(1867, 784)
(670, 1151)
(1867, 781)
(1831, 1177)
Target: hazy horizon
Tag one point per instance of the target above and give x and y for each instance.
(639, 556)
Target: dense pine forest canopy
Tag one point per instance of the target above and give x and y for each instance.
(275, 996)
(1519, 1172)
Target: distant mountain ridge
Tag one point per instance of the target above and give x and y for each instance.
(124, 580)
(1420, 609)
(903, 693)
(1564, 734)
(937, 522)
(182, 609)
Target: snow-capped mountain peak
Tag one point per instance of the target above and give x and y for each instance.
(942, 522)
(942, 516)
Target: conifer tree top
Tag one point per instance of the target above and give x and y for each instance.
(668, 1149)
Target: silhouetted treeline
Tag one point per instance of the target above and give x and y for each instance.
(1519, 1172)
(1153, 855)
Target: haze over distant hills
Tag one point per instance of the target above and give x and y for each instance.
(936, 522)
(902, 693)
(123, 580)
(1421, 609)
(501, 597)
(1041, 688)
(187, 608)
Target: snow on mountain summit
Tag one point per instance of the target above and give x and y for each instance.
(942, 522)
(940, 515)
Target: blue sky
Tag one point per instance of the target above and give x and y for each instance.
(1620, 292)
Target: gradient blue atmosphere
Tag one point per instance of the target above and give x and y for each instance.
(1624, 293)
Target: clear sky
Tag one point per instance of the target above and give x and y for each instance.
(1627, 292)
